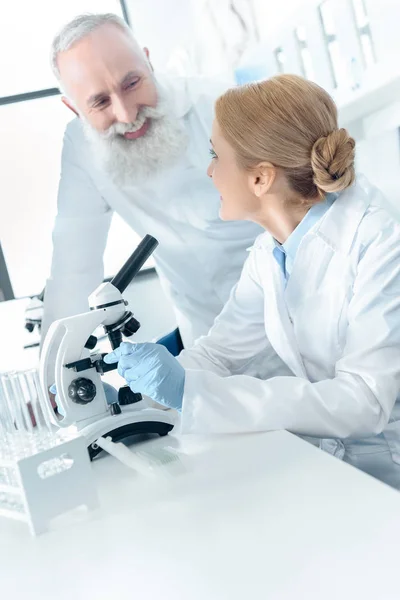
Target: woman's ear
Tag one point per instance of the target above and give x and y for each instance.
(261, 179)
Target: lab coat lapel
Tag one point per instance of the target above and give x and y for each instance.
(278, 324)
(334, 233)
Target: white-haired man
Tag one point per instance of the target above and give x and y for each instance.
(138, 147)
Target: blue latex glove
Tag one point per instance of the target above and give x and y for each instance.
(150, 370)
(110, 392)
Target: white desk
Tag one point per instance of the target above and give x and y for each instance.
(263, 516)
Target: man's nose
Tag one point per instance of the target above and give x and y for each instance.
(124, 112)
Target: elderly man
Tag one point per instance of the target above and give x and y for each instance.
(138, 147)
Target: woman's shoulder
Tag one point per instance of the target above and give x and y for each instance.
(374, 219)
(378, 234)
(380, 219)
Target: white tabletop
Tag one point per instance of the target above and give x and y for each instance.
(259, 516)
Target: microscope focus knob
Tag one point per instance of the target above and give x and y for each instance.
(82, 390)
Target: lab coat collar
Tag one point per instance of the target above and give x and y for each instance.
(339, 224)
(177, 89)
(283, 339)
(315, 213)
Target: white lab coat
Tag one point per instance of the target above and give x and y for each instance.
(333, 336)
(199, 258)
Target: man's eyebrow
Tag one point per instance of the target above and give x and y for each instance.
(129, 76)
(96, 97)
(101, 95)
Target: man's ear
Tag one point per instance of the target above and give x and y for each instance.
(68, 104)
(147, 53)
(261, 178)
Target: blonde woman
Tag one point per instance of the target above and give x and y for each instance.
(310, 338)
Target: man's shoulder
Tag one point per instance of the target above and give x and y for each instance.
(75, 143)
(195, 92)
(74, 132)
(207, 87)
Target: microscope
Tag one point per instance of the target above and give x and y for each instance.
(70, 345)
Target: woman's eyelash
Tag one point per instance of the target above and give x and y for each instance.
(212, 153)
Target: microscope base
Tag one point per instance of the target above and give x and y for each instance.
(130, 422)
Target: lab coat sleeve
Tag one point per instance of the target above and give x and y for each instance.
(357, 402)
(237, 342)
(79, 237)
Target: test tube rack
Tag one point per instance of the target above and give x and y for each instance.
(44, 471)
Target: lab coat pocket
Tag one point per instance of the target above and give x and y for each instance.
(392, 437)
(318, 324)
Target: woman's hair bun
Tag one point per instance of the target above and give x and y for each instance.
(332, 161)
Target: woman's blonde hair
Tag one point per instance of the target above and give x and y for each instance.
(291, 123)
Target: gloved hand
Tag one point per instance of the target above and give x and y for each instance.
(151, 370)
(110, 392)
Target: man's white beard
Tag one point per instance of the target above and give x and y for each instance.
(129, 162)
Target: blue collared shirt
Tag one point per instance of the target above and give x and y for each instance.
(286, 253)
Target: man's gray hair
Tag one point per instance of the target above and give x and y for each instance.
(79, 28)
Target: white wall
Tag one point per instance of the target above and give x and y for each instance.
(273, 16)
(30, 151)
(385, 19)
(162, 26)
